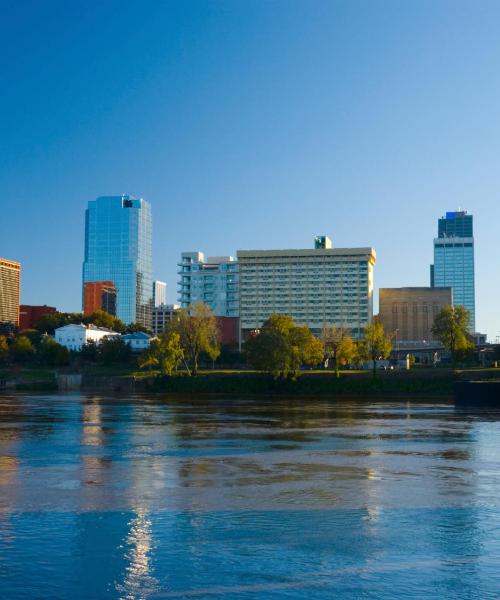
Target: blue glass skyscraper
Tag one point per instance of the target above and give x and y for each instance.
(118, 249)
(454, 260)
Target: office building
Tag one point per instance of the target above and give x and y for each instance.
(10, 291)
(161, 316)
(213, 281)
(454, 260)
(159, 293)
(317, 287)
(99, 295)
(30, 315)
(408, 313)
(118, 249)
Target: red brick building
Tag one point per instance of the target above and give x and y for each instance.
(228, 330)
(29, 315)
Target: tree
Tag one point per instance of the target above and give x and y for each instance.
(346, 352)
(4, 349)
(34, 335)
(100, 318)
(53, 354)
(22, 349)
(89, 352)
(165, 352)
(333, 337)
(282, 347)
(378, 345)
(451, 329)
(198, 333)
(136, 327)
(113, 350)
(50, 322)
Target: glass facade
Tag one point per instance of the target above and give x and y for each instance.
(454, 260)
(118, 248)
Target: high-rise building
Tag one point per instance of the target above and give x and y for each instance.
(317, 287)
(159, 293)
(454, 260)
(213, 281)
(118, 249)
(408, 313)
(99, 295)
(162, 315)
(10, 291)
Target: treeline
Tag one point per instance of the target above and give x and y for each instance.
(280, 347)
(37, 347)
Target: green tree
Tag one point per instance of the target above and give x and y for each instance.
(198, 333)
(34, 335)
(4, 349)
(100, 318)
(281, 347)
(89, 352)
(53, 354)
(136, 327)
(451, 329)
(22, 350)
(113, 350)
(378, 345)
(165, 353)
(50, 322)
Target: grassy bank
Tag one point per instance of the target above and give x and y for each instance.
(308, 384)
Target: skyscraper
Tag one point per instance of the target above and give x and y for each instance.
(454, 260)
(10, 286)
(118, 250)
(159, 293)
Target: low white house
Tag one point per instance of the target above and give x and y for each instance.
(76, 335)
(138, 341)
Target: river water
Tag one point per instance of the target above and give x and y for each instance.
(148, 497)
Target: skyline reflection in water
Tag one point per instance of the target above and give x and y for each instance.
(246, 498)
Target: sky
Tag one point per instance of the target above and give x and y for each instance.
(250, 125)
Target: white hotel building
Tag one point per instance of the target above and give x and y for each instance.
(317, 287)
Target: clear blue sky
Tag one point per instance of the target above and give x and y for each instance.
(251, 125)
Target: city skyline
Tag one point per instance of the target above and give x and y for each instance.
(244, 133)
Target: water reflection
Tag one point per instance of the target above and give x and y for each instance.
(155, 496)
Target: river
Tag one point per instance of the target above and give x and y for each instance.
(153, 497)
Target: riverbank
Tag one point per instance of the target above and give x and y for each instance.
(415, 383)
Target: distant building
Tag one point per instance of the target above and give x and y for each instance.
(454, 260)
(75, 336)
(161, 316)
(228, 330)
(213, 281)
(138, 341)
(10, 291)
(408, 313)
(317, 287)
(118, 249)
(30, 315)
(99, 295)
(159, 293)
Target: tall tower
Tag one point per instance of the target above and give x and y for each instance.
(10, 285)
(454, 260)
(118, 251)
